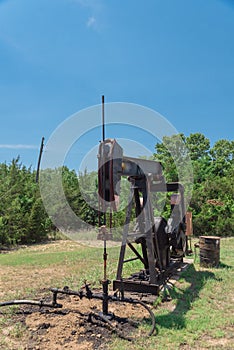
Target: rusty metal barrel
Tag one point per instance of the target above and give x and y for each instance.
(209, 251)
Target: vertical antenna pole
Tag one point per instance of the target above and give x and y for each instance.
(39, 159)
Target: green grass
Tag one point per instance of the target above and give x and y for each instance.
(26, 257)
(200, 315)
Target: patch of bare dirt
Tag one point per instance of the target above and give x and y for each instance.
(76, 325)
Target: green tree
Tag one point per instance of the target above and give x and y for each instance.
(171, 153)
(222, 156)
(37, 230)
(198, 146)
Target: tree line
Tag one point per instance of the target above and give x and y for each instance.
(23, 218)
(212, 203)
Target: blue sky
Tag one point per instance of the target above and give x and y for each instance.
(59, 56)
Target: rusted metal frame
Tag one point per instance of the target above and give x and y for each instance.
(166, 187)
(136, 253)
(139, 286)
(136, 286)
(149, 232)
(139, 218)
(140, 167)
(131, 259)
(155, 238)
(165, 274)
(125, 234)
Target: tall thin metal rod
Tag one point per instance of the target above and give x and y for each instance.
(39, 159)
(105, 281)
(104, 164)
(103, 118)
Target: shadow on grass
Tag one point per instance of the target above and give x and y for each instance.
(176, 318)
(224, 266)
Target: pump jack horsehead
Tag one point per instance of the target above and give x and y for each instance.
(163, 243)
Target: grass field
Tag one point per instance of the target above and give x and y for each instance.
(199, 316)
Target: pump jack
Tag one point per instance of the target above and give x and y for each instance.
(163, 243)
